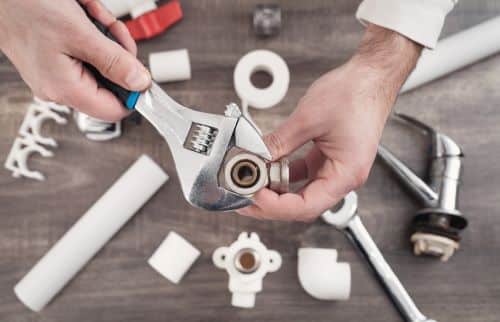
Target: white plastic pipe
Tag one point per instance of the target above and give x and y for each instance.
(455, 52)
(170, 66)
(90, 233)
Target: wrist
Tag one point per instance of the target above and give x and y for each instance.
(387, 54)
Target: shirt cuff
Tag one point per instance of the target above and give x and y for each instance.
(418, 20)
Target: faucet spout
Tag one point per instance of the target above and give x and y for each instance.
(417, 186)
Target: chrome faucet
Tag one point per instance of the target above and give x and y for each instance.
(436, 228)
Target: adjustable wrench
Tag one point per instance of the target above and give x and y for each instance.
(198, 141)
(347, 220)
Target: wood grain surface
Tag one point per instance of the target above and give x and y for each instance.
(317, 35)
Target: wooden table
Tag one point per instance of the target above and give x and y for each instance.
(118, 285)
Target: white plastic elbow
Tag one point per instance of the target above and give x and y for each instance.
(321, 276)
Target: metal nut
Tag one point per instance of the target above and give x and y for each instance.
(267, 20)
(279, 176)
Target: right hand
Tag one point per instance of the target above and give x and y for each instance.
(48, 40)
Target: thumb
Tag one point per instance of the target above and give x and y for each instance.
(297, 130)
(114, 62)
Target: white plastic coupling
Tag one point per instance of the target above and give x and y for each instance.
(135, 8)
(321, 276)
(174, 257)
(170, 66)
(247, 261)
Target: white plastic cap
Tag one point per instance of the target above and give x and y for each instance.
(170, 66)
(174, 257)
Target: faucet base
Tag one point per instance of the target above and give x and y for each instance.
(436, 232)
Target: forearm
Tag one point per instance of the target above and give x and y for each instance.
(386, 58)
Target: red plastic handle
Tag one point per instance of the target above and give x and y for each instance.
(155, 22)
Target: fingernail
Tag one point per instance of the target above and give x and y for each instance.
(138, 78)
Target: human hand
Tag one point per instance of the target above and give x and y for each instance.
(48, 40)
(343, 113)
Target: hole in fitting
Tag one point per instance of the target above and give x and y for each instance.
(245, 173)
(261, 79)
(247, 261)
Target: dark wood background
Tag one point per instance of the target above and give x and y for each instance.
(118, 285)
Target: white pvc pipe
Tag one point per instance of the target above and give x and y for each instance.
(455, 52)
(90, 233)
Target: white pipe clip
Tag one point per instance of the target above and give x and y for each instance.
(96, 129)
(17, 160)
(321, 276)
(39, 112)
(247, 261)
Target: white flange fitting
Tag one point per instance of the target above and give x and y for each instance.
(170, 66)
(321, 276)
(247, 261)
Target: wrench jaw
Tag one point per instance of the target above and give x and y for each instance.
(199, 170)
(341, 218)
(199, 143)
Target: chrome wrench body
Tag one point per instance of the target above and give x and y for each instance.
(347, 220)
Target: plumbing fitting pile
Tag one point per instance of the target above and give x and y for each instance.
(222, 161)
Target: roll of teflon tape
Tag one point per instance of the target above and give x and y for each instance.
(261, 61)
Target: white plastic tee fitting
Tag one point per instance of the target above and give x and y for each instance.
(321, 276)
(247, 261)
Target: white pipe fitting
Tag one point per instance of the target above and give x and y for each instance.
(174, 257)
(135, 8)
(90, 233)
(321, 276)
(170, 66)
(247, 261)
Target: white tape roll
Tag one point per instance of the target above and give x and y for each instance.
(266, 61)
(174, 257)
(90, 233)
(170, 66)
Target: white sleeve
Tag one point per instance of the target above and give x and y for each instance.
(419, 20)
